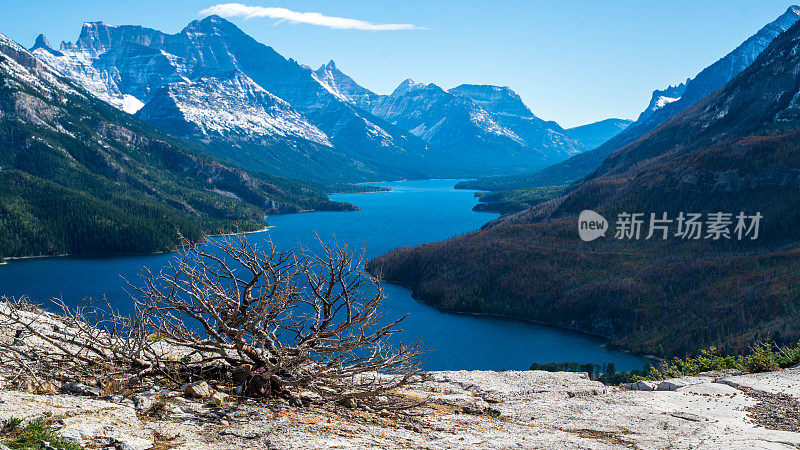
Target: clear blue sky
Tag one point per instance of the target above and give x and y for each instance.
(571, 61)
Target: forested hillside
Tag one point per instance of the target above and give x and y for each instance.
(79, 176)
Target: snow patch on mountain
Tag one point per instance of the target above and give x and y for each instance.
(131, 104)
(78, 66)
(483, 119)
(239, 106)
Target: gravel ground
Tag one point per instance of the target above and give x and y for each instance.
(774, 411)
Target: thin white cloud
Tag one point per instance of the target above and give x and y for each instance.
(312, 18)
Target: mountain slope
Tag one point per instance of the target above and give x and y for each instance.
(734, 151)
(595, 134)
(79, 176)
(707, 81)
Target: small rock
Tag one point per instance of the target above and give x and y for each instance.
(310, 397)
(641, 385)
(348, 403)
(115, 398)
(79, 389)
(224, 423)
(45, 446)
(219, 398)
(200, 389)
(296, 402)
(385, 413)
(143, 402)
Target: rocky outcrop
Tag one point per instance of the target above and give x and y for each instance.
(476, 409)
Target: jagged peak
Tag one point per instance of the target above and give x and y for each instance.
(42, 43)
(407, 86)
(329, 67)
(212, 22)
(794, 9)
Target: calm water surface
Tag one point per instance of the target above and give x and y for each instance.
(413, 212)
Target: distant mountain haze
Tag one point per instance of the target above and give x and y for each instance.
(595, 134)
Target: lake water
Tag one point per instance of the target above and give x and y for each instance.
(414, 212)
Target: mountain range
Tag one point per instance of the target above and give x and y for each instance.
(664, 104)
(249, 105)
(734, 151)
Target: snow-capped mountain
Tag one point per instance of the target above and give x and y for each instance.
(439, 117)
(213, 83)
(508, 109)
(495, 99)
(341, 85)
(467, 124)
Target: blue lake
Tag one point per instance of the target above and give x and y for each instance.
(414, 212)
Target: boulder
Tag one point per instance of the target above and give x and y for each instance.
(673, 384)
(641, 385)
(201, 389)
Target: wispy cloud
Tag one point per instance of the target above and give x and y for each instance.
(312, 18)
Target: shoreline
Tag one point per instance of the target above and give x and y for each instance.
(13, 259)
(605, 339)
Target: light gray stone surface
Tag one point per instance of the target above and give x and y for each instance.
(785, 381)
(537, 410)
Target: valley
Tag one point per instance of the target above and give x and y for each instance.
(413, 212)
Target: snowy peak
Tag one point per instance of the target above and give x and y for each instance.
(344, 87)
(96, 36)
(407, 86)
(495, 99)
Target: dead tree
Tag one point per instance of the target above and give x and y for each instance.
(277, 321)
